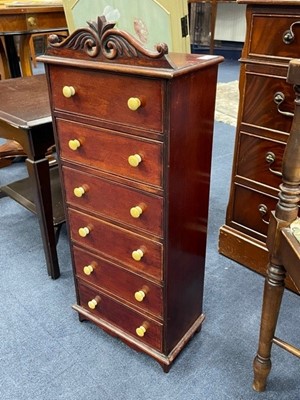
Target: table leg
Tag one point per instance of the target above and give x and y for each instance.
(12, 56)
(25, 55)
(213, 18)
(39, 174)
(4, 61)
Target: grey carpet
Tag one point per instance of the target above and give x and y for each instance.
(46, 353)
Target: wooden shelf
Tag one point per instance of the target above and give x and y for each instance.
(22, 192)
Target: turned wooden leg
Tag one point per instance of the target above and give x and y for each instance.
(273, 291)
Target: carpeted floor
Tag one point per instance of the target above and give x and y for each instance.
(47, 354)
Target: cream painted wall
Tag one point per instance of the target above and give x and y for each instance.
(231, 22)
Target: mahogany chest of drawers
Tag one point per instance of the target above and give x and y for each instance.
(264, 121)
(134, 137)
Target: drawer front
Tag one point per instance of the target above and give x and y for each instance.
(260, 159)
(251, 210)
(104, 96)
(121, 283)
(50, 21)
(279, 44)
(109, 152)
(118, 244)
(260, 108)
(114, 201)
(121, 316)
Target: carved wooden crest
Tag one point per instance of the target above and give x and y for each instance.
(100, 41)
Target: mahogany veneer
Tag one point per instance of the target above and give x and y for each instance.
(134, 137)
(264, 122)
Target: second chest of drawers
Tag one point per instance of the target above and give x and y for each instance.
(264, 121)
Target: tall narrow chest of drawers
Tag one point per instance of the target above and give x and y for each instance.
(264, 121)
(134, 137)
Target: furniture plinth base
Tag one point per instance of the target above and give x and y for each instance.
(165, 361)
(247, 251)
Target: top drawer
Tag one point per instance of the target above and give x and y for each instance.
(104, 96)
(275, 35)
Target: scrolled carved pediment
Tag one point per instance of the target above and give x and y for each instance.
(101, 41)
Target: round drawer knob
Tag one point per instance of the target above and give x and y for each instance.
(134, 160)
(79, 191)
(137, 254)
(136, 211)
(141, 330)
(88, 269)
(134, 103)
(93, 303)
(140, 295)
(83, 232)
(74, 144)
(32, 21)
(68, 91)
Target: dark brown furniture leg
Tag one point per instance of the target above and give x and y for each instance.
(25, 118)
(40, 179)
(39, 173)
(12, 56)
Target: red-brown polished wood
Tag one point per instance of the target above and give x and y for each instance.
(116, 201)
(163, 251)
(118, 282)
(264, 122)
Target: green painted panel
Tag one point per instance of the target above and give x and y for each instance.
(146, 20)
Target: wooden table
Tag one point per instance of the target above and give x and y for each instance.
(25, 117)
(23, 22)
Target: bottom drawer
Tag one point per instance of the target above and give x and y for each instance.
(251, 210)
(135, 324)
